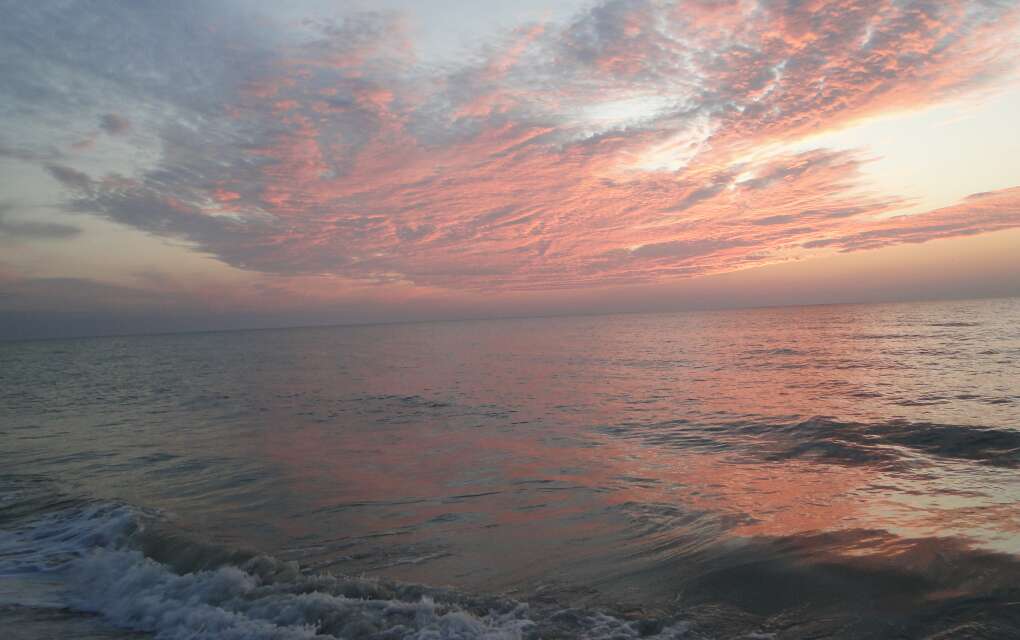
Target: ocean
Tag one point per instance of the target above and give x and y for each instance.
(845, 471)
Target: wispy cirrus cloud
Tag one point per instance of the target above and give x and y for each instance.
(641, 141)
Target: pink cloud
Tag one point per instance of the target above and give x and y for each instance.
(490, 177)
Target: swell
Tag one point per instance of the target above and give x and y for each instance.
(884, 442)
(821, 585)
(891, 444)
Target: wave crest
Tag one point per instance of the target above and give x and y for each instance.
(92, 556)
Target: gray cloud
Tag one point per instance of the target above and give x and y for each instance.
(114, 124)
(684, 249)
(698, 195)
(779, 219)
(812, 214)
(69, 177)
(33, 229)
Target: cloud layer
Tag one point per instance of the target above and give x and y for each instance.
(642, 141)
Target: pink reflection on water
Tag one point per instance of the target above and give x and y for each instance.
(492, 454)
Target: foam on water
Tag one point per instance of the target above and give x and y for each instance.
(89, 558)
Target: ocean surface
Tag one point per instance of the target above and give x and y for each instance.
(848, 471)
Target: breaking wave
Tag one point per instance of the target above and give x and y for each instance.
(113, 559)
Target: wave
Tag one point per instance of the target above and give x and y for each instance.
(134, 569)
(891, 444)
(885, 442)
(115, 560)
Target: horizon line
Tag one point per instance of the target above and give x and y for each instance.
(493, 318)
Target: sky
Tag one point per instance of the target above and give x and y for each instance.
(201, 165)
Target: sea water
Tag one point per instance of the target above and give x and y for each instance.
(846, 471)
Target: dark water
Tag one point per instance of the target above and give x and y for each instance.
(817, 472)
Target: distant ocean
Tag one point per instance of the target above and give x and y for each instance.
(848, 471)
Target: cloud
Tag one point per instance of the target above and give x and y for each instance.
(69, 177)
(330, 148)
(682, 249)
(114, 124)
(776, 219)
(32, 229)
(25, 154)
(978, 213)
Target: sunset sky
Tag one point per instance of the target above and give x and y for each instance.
(189, 165)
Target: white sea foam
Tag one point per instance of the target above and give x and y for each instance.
(229, 602)
(35, 557)
(87, 558)
(48, 542)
